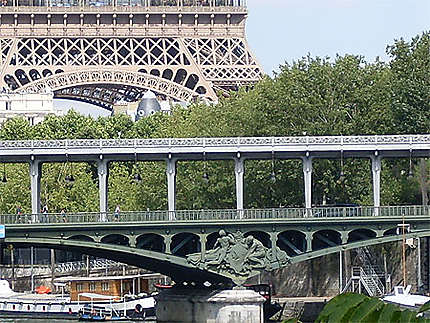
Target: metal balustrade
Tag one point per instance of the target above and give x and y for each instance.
(317, 213)
(218, 142)
(94, 264)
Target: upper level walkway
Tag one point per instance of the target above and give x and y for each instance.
(316, 214)
(220, 148)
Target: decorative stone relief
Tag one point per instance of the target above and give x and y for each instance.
(238, 257)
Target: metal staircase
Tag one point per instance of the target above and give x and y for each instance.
(366, 278)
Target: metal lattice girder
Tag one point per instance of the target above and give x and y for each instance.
(179, 52)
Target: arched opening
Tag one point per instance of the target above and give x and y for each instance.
(292, 242)
(167, 74)
(180, 76)
(11, 82)
(155, 72)
(391, 232)
(151, 241)
(325, 239)
(81, 238)
(34, 74)
(22, 77)
(263, 237)
(46, 73)
(59, 71)
(192, 81)
(184, 244)
(142, 70)
(201, 90)
(360, 234)
(211, 240)
(118, 239)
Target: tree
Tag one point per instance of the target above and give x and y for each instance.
(410, 84)
(351, 307)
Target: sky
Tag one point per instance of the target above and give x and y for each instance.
(280, 31)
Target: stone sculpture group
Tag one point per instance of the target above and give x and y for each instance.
(238, 256)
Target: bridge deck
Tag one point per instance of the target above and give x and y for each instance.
(217, 148)
(300, 214)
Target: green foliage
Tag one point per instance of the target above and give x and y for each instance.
(351, 307)
(16, 129)
(410, 88)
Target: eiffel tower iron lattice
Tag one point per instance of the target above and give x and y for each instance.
(105, 51)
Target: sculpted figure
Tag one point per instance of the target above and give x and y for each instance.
(217, 255)
(256, 254)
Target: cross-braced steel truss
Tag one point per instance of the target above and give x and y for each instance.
(93, 61)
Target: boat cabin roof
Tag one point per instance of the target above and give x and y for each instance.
(104, 278)
(96, 296)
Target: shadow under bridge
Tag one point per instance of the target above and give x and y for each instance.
(173, 266)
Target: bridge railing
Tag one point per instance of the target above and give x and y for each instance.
(316, 213)
(321, 141)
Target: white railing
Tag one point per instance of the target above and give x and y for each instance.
(94, 264)
(369, 141)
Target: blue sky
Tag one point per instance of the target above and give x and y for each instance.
(282, 31)
(286, 30)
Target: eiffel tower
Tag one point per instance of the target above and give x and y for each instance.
(105, 51)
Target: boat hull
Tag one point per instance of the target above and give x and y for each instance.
(65, 310)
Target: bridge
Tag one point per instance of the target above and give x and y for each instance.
(219, 246)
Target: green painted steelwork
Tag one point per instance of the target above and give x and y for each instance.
(228, 214)
(184, 242)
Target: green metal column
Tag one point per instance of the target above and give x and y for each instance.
(132, 241)
(203, 239)
(309, 238)
(167, 241)
(273, 240)
(344, 237)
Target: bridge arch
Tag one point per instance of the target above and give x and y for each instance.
(390, 232)
(151, 241)
(117, 239)
(81, 237)
(173, 266)
(94, 76)
(178, 267)
(361, 234)
(185, 243)
(326, 238)
(211, 240)
(293, 242)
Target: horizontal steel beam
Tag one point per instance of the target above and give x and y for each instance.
(391, 146)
